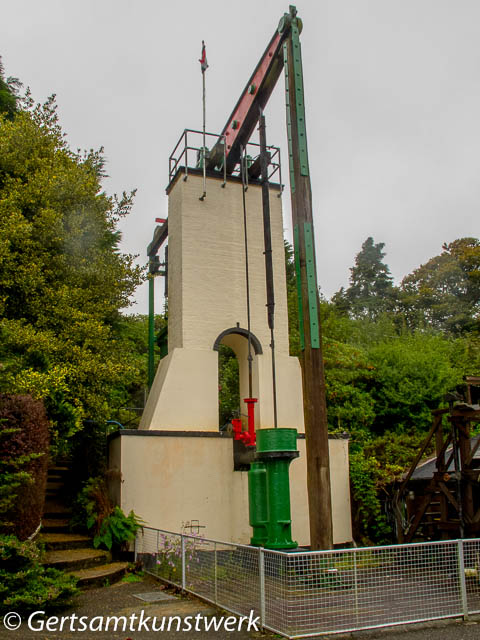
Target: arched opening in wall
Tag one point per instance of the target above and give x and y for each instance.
(228, 386)
(233, 373)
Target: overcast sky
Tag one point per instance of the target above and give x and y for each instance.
(392, 98)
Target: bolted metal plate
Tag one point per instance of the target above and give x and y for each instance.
(154, 596)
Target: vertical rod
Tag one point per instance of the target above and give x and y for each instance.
(461, 578)
(224, 161)
(355, 576)
(261, 577)
(458, 475)
(267, 234)
(184, 581)
(186, 156)
(151, 330)
(243, 160)
(216, 573)
(204, 155)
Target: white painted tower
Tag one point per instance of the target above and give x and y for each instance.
(207, 305)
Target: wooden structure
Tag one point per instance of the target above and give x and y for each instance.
(445, 502)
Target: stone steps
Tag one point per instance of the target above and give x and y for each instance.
(74, 559)
(56, 541)
(72, 552)
(55, 525)
(97, 576)
(56, 509)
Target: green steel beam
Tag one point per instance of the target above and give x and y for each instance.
(298, 278)
(312, 285)
(299, 98)
(289, 119)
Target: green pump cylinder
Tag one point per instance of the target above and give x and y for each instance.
(257, 500)
(276, 448)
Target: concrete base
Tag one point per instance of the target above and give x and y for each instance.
(172, 478)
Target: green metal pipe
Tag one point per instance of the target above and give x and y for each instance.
(257, 500)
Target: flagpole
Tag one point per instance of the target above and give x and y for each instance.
(204, 154)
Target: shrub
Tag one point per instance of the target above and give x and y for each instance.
(24, 440)
(25, 585)
(111, 528)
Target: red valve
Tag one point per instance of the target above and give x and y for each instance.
(247, 437)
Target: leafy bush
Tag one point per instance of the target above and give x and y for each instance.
(112, 529)
(24, 442)
(25, 585)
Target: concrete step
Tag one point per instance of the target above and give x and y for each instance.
(55, 478)
(58, 541)
(54, 486)
(97, 576)
(58, 470)
(75, 559)
(54, 508)
(55, 525)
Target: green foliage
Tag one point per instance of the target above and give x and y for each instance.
(8, 94)
(63, 280)
(348, 376)
(375, 463)
(24, 440)
(112, 529)
(228, 384)
(292, 301)
(133, 574)
(25, 585)
(116, 530)
(412, 375)
(371, 291)
(444, 293)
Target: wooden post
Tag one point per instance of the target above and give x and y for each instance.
(315, 411)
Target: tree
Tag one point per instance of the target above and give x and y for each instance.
(444, 293)
(371, 291)
(8, 94)
(412, 374)
(63, 280)
(292, 301)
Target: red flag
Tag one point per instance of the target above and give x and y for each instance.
(203, 59)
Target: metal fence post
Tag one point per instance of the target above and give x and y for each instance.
(216, 575)
(461, 578)
(261, 577)
(355, 576)
(184, 582)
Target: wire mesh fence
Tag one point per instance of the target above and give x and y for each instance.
(304, 593)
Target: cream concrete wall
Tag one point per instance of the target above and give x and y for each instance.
(206, 281)
(184, 394)
(169, 480)
(207, 295)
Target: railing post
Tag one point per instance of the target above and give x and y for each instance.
(184, 582)
(355, 576)
(261, 576)
(216, 573)
(186, 156)
(461, 579)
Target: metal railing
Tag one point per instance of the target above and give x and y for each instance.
(188, 153)
(306, 593)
